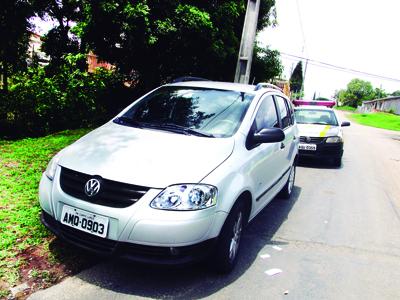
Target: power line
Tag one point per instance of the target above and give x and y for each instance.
(339, 68)
(301, 26)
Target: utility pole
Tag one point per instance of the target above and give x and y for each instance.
(245, 56)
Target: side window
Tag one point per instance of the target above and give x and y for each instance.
(266, 116)
(286, 118)
(291, 111)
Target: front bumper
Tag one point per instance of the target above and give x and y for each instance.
(324, 150)
(135, 252)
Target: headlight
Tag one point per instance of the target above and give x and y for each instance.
(51, 167)
(334, 139)
(186, 197)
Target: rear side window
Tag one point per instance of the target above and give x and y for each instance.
(286, 118)
(266, 116)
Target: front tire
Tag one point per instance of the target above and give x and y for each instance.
(288, 188)
(227, 249)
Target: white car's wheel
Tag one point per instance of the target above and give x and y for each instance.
(229, 240)
(288, 188)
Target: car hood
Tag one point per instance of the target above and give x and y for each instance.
(145, 157)
(318, 130)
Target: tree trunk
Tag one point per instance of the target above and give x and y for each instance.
(5, 80)
(4, 77)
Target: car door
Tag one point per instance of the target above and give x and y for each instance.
(265, 166)
(286, 121)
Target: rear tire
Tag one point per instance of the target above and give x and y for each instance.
(288, 188)
(227, 249)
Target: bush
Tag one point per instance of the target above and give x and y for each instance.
(38, 104)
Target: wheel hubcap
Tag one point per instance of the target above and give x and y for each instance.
(237, 230)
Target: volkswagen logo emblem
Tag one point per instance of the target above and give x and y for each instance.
(92, 187)
(308, 139)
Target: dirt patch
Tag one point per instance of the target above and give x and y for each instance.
(45, 265)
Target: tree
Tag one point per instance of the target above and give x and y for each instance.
(395, 93)
(296, 79)
(266, 64)
(155, 41)
(61, 40)
(356, 92)
(380, 93)
(14, 26)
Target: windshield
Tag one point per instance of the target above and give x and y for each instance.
(311, 116)
(188, 110)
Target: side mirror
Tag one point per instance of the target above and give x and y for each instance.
(268, 135)
(345, 123)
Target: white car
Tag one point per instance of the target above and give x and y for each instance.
(321, 134)
(176, 175)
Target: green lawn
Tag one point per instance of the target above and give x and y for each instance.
(378, 119)
(21, 165)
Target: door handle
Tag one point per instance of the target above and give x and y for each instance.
(282, 145)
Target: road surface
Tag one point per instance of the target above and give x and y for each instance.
(338, 237)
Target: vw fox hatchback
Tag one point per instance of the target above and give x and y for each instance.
(175, 176)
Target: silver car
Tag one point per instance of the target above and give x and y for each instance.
(175, 176)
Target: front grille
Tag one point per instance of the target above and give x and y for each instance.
(111, 193)
(313, 140)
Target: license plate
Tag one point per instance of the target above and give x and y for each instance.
(310, 147)
(84, 220)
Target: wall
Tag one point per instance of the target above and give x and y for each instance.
(390, 104)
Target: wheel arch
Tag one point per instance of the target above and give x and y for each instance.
(246, 198)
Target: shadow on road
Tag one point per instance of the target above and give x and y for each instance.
(193, 281)
(315, 163)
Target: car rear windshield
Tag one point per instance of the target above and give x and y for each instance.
(212, 112)
(311, 116)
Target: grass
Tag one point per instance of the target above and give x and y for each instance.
(378, 119)
(22, 163)
(345, 108)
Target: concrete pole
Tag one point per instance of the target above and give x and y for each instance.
(245, 56)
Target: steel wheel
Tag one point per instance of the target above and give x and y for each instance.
(235, 240)
(291, 179)
(227, 249)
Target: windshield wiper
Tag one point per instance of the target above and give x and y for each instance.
(179, 129)
(318, 123)
(127, 121)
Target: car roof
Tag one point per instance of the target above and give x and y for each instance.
(312, 107)
(230, 86)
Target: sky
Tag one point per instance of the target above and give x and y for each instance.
(359, 35)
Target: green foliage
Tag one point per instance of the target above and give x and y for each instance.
(267, 64)
(63, 39)
(322, 99)
(358, 91)
(14, 26)
(380, 93)
(21, 165)
(38, 104)
(345, 108)
(155, 41)
(395, 93)
(379, 119)
(296, 80)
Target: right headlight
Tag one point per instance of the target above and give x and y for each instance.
(186, 197)
(52, 166)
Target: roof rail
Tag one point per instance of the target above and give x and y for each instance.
(188, 78)
(262, 85)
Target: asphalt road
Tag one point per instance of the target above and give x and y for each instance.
(338, 237)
